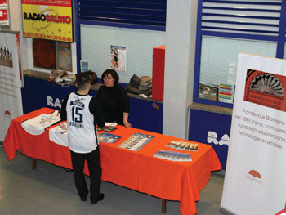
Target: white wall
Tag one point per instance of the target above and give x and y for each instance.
(139, 43)
(179, 66)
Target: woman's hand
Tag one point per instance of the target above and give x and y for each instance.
(127, 124)
(125, 117)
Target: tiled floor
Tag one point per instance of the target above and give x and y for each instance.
(50, 190)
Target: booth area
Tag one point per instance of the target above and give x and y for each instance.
(136, 169)
(146, 114)
(205, 80)
(145, 47)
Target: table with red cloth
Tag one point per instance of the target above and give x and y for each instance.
(137, 170)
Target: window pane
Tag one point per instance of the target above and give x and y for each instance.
(219, 58)
(284, 51)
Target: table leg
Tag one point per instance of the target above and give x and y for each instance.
(164, 206)
(34, 163)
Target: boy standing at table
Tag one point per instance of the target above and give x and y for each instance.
(82, 113)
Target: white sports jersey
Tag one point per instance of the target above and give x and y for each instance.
(37, 125)
(82, 134)
(59, 135)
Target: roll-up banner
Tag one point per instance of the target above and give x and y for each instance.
(10, 83)
(48, 19)
(256, 163)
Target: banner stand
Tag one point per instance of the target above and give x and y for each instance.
(224, 211)
(10, 81)
(255, 171)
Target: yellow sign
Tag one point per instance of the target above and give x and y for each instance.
(47, 22)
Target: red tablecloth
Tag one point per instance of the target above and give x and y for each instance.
(137, 170)
(283, 212)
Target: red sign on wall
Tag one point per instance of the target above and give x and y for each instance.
(3, 15)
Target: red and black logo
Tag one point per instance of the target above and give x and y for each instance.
(48, 18)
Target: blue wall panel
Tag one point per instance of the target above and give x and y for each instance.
(38, 93)
(146, 115)
(202, 122)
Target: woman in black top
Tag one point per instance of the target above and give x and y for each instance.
(113, 99)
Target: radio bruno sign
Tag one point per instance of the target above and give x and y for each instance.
(48, 19)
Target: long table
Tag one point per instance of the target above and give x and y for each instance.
(137, 170)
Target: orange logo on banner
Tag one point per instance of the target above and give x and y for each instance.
(255, 174)
(265, 89)
(7, 112)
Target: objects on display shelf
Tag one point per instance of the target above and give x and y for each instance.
(108, 138)
(145, 86)
(136, 141)
(208, 92)
(173, 156)
(56, 74)
(226, 93)
(133, 85)
(181, 145)
(140, 86)
(61, 77)
(37, 125)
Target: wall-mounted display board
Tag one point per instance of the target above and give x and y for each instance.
(48, 19)
(49, 54)
(44, 54)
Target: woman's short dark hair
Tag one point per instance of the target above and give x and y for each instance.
(112, 72)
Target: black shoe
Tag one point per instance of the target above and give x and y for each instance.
(101, 197)
(68, 170)
(83, 197)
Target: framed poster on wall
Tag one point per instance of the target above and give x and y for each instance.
(64, 59)
(118, 58)
(84, 66)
